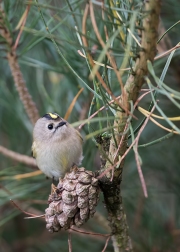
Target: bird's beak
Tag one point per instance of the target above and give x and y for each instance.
(61, 124)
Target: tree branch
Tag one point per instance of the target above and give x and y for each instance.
(19, 81)
(111, 189)
(18, 157)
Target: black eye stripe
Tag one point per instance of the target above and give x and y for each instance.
(61, 124)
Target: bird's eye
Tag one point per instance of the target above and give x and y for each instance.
(50, 126)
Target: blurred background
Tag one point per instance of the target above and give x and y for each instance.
(154, 223)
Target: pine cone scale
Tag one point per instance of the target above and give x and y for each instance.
(74, 200)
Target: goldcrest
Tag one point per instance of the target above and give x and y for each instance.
(57, 146)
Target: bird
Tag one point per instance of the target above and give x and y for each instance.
(57, 146)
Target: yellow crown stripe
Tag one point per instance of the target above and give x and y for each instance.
(53, 116)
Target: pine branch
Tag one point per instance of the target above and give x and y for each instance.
(18, 157)
(19, 81)
(111, 187)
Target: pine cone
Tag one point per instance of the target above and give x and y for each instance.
(73, 201)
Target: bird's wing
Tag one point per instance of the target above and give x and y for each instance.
(80, 136)
(34, 154)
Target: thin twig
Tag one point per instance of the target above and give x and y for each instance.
(99, 110)
(72, 104)
(107, 170)
(27, 213)
(141, 97)
(110, 57)
(19, 81)
(137, 155)
(89, 233)
(120, 143)
(18, 157)
(101, 64)
(167, 52)
(42, 216)
(85, 43)
(69, 241)
(22, 24)
(135, 144)
(107, 240)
